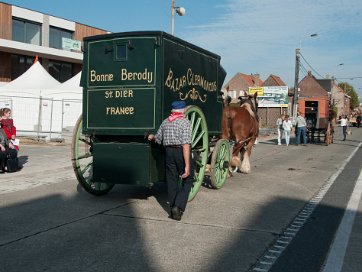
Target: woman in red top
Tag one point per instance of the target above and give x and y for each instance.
(7, 124)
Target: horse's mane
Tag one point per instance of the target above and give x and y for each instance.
(247, 101)
(248, 108)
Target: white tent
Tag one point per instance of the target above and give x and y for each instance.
(24, 97)
(32, 82)
(70, 89)
(41, 104)
(67, 101)
(72, 84)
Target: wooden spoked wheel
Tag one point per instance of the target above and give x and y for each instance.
(199, 147)
(220, 163)
(82, 161)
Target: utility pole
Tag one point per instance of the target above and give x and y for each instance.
(295, 97)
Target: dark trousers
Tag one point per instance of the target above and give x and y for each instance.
(344, 131)
(178, 191)
(12, 153)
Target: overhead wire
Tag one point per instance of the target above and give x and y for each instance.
(310, 66)
(302, 67)
(350, 78)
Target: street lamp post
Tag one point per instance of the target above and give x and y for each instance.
(179, 10)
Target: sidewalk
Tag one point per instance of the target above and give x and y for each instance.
(42, 164)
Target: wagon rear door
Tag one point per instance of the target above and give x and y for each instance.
(120, 85)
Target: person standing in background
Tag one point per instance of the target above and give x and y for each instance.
(301, 125)
(279, 124)
(287, 127)
(344, 123)
(358, 120)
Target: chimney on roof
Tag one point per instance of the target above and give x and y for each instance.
(309, 73)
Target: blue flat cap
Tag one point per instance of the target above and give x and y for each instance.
(178, 105)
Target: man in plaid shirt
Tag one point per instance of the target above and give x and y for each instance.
(175, 135)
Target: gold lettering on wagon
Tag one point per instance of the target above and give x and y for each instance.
(144, 75)
(119, 110)
(94, 77)
(119, 94)
(192, 80)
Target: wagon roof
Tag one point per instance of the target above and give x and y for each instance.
(150, 33)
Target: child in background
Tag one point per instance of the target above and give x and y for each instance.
(7, 124)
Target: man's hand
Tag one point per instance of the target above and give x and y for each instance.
(186, 173)
(11, 146)
(2, 148)
(151, 137)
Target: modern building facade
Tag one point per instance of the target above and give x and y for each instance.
(26, 34)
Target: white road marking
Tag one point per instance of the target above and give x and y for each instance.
(338, 249)
(299, 220)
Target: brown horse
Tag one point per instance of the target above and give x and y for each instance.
(241, 123)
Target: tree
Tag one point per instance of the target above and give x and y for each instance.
(349, 90)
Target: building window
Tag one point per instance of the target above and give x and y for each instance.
(26, 31)
(20, 64)
(56, 35)
(61, 71)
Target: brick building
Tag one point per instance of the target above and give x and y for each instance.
(239, 84)
(314, 101)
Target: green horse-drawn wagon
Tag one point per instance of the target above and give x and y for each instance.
(129, 81)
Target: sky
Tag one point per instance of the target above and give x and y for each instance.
(252, 37)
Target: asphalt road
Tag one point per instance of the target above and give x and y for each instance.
(48, 223)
